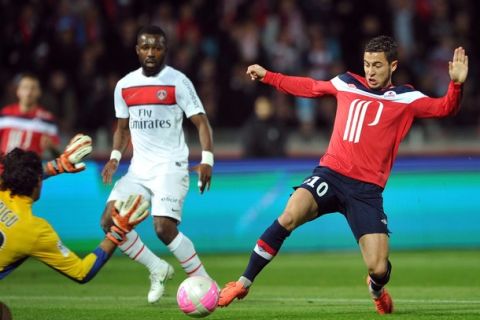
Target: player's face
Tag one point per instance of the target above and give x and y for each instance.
(378, 71)
(28, 91)
(151, 51)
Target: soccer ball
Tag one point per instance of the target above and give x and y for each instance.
(197, 296)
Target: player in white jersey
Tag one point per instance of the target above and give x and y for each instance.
(150, 103)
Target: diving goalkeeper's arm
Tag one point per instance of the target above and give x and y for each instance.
(126, 215)
(70, 160)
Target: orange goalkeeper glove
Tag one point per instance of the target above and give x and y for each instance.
(126, 215)
(70, 160)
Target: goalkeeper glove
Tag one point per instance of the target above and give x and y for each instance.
(126, 215)
(70, 160)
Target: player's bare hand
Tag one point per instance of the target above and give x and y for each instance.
(109, 170)
(256, 72)
(458, 67)
(204, 172)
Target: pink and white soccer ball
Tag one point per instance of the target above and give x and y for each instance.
(197, 296)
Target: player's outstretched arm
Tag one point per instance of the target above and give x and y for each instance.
(458, 67)
(70, 160)
(204, 169)
(256, 72)
(297, 86)
(126, 215)
(121, 137)
(449, 104)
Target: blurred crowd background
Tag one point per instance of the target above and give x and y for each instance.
(80, 49)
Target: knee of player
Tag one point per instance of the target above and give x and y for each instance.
(288, 220)
(166, 229)
(378, 268)
(105, 224)
(106, 219)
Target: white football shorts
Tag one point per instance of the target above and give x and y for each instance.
(166, 190)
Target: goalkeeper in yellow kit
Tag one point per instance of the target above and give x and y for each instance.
(23, 235)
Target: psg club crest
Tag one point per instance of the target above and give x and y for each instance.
(161, 94)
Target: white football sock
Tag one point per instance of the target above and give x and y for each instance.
(183, 249)
(245, 282)
(136, 250)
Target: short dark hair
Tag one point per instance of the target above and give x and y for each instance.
(22, 171)
(151, 29)
(26, 75)
(383, 44)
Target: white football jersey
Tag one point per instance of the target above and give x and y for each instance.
(155, 107)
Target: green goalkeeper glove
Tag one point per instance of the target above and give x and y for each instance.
(70, 160)
(126, 215)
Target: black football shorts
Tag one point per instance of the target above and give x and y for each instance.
(360, 202)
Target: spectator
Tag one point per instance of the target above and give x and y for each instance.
(61, 101)
(88, 40)
(403, 14)
(264, 135)
(26, 124)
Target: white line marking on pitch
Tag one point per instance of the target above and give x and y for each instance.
(273, 299)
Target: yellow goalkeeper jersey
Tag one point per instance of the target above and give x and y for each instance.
(24, 235)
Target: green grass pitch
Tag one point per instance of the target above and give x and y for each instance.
(424, 285)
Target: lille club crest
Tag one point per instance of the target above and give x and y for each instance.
(161, 94)
(389, 95)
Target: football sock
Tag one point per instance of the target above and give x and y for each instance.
(377, 283)
(183, 249)
(136, 250)
(265, 250)
(245, 282)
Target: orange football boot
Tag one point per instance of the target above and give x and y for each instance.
(231, 291)
(384, 303)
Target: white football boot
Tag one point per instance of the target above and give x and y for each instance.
(158, 278)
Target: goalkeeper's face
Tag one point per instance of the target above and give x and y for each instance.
(151, 50)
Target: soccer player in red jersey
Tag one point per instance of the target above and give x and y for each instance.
(26, 125)
(372, 118)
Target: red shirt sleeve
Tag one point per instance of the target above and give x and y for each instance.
(299, 86)
(444, 106)
(55, 140)
(49, 117)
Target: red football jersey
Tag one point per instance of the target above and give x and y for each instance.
(26, 130)
(369, 124)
